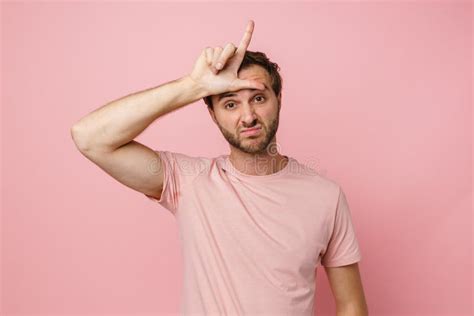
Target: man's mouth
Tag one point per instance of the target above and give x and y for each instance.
(251, 131)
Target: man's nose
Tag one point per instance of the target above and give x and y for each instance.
(248, 116)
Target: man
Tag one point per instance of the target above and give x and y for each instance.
(254, 224)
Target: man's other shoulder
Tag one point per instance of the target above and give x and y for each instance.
(188, 164)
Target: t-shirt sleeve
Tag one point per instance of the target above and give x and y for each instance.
(178, 170)
(343, 247)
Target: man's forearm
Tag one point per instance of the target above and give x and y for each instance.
(120, 121)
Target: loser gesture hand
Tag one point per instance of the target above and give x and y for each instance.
(215, 70)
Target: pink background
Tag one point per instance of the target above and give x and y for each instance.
(376, 95)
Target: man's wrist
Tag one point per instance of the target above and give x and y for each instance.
(194, 87)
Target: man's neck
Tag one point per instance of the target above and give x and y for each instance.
(258, 164)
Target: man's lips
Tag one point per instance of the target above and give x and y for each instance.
(251, 129)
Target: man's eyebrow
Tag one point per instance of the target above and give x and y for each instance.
(232, 94)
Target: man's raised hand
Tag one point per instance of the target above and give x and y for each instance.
(216, 68)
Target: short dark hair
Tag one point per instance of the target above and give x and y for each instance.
(258, 58)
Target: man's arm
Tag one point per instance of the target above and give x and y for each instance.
(106, 135)
(120, 121)
(346, 286)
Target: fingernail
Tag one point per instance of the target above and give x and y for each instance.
(219, 66)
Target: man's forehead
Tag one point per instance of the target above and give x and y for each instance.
(253, 72)
(234, 93)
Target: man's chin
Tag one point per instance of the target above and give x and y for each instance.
(254, 148)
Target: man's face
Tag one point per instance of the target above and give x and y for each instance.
(239, 110)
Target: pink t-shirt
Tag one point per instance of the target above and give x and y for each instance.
(251, 244)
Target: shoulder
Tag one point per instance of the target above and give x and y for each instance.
(181, 163)
(323, 184)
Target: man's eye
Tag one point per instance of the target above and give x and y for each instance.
(228, 104)
(258, 96)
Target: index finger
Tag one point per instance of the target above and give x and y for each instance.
(245, 42)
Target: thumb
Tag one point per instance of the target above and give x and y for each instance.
(247, 84)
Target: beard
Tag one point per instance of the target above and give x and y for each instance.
(254, 144)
